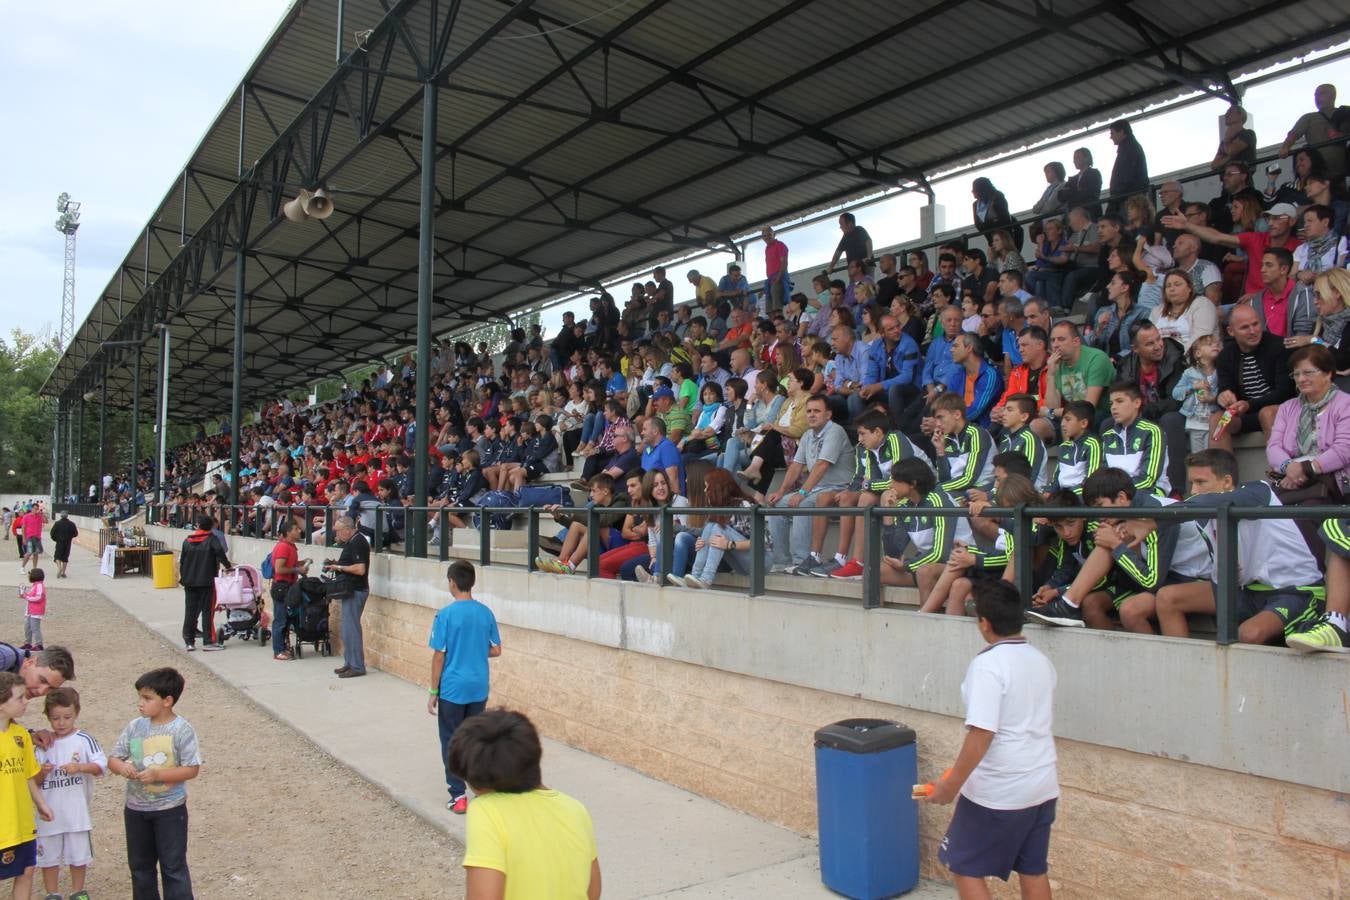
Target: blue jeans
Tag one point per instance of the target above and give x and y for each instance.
(707, 560)
(280, 618)
(1046, 283)
(735, 455)
(353, 645)
(1076, 282)
(450, 716)
(593, 428)
(679, 563)
(794, 545)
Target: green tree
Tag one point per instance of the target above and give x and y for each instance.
(26, 420)
(498, 334)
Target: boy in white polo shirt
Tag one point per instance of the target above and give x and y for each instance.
(1005, 771)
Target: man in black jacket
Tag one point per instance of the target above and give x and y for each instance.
(199, 560)
(64, 533)
(1129, 175)
(1254, 380)
(1155, 367)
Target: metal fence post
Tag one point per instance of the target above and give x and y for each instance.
(377, 539)
(871, 585)
(756, 552)
(592, 542)
(1022, 554)
(667, 543)
(1226, 588)
(327, 522)
(309, 525)
(444, 532)
(531, 538)
(485, 538)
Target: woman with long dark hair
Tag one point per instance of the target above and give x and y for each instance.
(724, 537)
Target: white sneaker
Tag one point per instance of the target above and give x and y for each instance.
(643, 576)
(697, 584)
(782, 568)
(675, 580)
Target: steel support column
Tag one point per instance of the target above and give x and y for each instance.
(102, 430)
(162, 415)
(426, 256)
(236, 386)
(56, 451)
(135, 420)
(79, 450)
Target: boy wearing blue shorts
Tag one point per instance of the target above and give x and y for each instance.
(463, 637)
(1004, 779)
(19, 793)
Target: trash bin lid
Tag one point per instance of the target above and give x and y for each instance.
(163, 552)
(865, 735)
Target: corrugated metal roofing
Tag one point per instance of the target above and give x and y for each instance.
(587, 138)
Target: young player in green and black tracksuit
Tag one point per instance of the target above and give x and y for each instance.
(1329, 631)
(877, 452)
(965, 452)
(1129, 561)
(1080, 454)
(1135, 445)
(1017, 437)
(912, 495)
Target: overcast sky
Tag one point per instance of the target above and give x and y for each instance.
(112, 96)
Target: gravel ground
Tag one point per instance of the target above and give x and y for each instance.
(271, 814)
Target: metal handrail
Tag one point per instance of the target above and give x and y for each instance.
(1228, 517)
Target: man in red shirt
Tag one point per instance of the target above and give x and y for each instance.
(286, 570)
(1272, 304)
(32, 537)
(775, 270)
(1281, 218)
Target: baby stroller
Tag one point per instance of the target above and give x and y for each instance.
(239, 597)
(307, 615)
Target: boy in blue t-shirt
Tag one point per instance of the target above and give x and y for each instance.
(463, 636)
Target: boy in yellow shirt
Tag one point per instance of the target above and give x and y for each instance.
(522, 840)
(19, 791)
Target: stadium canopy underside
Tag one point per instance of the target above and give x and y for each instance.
(577, 140)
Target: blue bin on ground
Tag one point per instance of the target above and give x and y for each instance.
(869, 824)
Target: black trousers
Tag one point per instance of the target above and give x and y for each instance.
(158, 840)
(198, 604)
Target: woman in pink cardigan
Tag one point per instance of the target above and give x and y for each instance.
(1311, 435)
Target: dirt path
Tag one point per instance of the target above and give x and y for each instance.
(271, 814)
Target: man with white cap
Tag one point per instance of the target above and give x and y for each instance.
(1281, 219)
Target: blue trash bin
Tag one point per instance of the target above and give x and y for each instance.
(869, 824)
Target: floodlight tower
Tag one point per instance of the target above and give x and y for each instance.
(68, 223)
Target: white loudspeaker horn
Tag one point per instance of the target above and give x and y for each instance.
(318, 206)
(295, 209)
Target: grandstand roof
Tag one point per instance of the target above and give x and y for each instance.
(582, 139)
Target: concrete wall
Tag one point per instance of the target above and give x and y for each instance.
(1188, 769)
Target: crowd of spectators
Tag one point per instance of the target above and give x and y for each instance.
(1107, 350)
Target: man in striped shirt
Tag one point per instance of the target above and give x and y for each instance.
(1253, 376)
